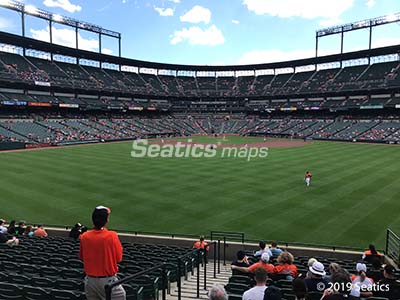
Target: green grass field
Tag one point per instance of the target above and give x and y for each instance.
(354, 197)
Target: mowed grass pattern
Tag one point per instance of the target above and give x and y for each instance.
(354, 197)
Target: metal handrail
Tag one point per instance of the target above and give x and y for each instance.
(109, 286)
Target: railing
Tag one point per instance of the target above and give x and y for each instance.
(393, 246)
(108, 287)
(192, 236)
(225, 235)
(179, 260)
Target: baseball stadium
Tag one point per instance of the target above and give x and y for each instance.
(179, 151)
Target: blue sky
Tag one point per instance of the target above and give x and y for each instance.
(209, 32)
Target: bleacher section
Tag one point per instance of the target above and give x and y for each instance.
(49, 268)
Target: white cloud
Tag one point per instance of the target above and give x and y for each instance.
(164, 12)
(235, 21)
(196, 36)
(64, 4)
(66, 37)
(196, 15)
(370, 3)
(307, 9)
(5, 23)
(175, 1)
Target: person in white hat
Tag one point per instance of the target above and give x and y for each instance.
(315, 280)
(362, 285)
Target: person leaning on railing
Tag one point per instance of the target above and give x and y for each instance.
(203, 246)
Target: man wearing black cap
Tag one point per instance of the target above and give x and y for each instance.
(100, 251)
(389, 285)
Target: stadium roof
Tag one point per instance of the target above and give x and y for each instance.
(29, 43)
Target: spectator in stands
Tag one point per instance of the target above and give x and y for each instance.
(217, 292)
(263, 263)
(263, 249)
(40, 231)
(10, 242)
(285, 266)
(299, 289)
(203, 246)
(100, 251)
(241, 261)
(361, 283)
(11, 227)
(310, 262)
(333, 268)
(390, 285)
(76, 231)
(272, 293)
(21, 228)
(376, 272)
(342, 290)
(257, 292)
(275, 250)
(371, 253)
(28, 231)
(3, 229)
(315, 281)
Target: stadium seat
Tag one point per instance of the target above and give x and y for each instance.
(35, 293)
(236, 288)
(42, 282)
(9, 291)
(68, 284)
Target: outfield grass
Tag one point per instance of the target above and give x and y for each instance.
(354, 197)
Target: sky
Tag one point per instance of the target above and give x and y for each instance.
(211, 32)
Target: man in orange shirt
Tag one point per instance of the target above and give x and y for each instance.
(263, 263)
(100, 251)
(203, 245)
(40, 232)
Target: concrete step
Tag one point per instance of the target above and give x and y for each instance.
(189, 286)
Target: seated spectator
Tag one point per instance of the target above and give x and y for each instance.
(371, 253)
(263, 249)
(11, 227)
(315, 280)
(361, 283)
(333, 268)
(263, 263)
(343, 284)
(310, 262)
(272, 293)
(240, 262)
(217, 292)
(390, 286)
(257, 292)
(275, 250)
(40, 232)
(10, 242)
(21, 228)
(28, 231)
(285, 266)
(76, 231)
(3, 229)
(376, 272)
(203, 245)
(299, 289)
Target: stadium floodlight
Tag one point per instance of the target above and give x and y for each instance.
(5, 3)
(30, 9)
(57, 18)
(392, 18)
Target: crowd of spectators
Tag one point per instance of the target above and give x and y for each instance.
(318, 282)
